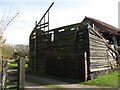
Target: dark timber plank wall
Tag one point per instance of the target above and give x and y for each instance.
(41, 51)
(60, 52)
(32, 51)
(66, 54)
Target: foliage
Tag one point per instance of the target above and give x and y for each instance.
(22, 50)
(111, 80)
(7, 51)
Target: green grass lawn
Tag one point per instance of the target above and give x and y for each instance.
(110, 80)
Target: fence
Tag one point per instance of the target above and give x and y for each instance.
(12, 74)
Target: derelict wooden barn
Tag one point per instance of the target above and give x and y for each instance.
(74, 51)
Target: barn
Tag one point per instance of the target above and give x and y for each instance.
(77, 51)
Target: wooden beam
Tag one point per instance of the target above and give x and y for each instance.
(86, 69)
(22, 73)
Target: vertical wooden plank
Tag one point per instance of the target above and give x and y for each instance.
(35, 49)
(86, 70)
(22, 73)
(48, 21)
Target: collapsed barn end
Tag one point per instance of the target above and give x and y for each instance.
(74, 51)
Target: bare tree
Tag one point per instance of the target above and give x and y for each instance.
(3, 27)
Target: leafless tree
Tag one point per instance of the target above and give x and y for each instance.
(3, 26)
(4, 23)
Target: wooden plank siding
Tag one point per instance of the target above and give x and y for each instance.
(100, 58)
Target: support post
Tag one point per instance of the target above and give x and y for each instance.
(21, 73)
(35, 58)
(86, 70)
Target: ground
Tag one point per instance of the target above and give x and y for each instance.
(43, 82)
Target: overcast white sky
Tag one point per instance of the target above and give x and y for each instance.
(63, 12)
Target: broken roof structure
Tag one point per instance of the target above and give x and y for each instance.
(104, 27)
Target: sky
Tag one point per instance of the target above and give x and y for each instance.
(63, 12)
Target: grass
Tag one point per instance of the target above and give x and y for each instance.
(11, 87)
(14, 64)
(54, 86)
(110, 80)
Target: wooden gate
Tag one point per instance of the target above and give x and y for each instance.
(12, 74)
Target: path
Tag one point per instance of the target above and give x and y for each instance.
(42, 82)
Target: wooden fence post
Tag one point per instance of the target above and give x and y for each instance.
(21, 73)
(86, 70)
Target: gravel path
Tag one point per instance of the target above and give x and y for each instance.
(36, 83)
